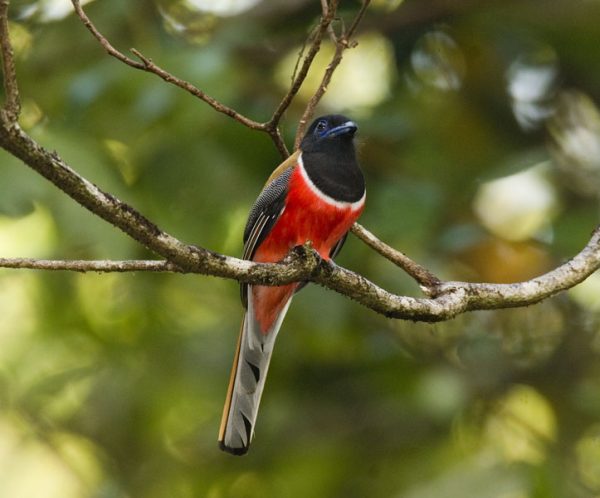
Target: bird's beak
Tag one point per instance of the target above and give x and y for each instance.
(349, 127)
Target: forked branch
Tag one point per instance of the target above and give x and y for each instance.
(341, 43)
(446, 299)
(271, 127)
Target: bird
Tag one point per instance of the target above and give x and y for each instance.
(315, 195)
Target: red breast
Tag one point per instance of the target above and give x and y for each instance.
(308, 215)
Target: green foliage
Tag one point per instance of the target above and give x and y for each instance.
(112, 385)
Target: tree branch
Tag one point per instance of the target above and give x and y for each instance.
(428, 281)
(447, 299)
(454, 298)
(149, 66)
(357, 19)
(304, 264)
(12, 103)
(78, 265)
(568, 275)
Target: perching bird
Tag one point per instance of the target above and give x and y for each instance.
(315, 195)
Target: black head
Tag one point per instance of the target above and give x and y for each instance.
(329, 158)
(327, 131)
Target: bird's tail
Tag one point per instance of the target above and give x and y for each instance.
(250, 366)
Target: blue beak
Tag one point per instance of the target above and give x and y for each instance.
(348, 127)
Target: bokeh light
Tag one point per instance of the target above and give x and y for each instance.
(518, 206)
(522, 425)
(48, 10)
(21, 455)
(184, 20)
(587, 293)
(362, 81)
(588, 458)
(575, 130)
(438, 62)
(532, 80)
(223, 7)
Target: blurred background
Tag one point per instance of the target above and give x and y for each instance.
(480, 141)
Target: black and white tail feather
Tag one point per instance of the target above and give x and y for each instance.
(255, 348)
(247, 381)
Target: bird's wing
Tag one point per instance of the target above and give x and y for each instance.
(290, 162)
(266, 211)
(268, 205)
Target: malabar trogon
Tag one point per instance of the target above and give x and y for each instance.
(315, 195)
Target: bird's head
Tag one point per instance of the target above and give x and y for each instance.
(326, 131)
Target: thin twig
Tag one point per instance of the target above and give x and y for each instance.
(147, 65)
(427, 280)
(104, 266)
(279, 142)
(342, 43)
(316, 98)
(299, 76)
(329, 10)
(357, 19)
(301, 56)
(12, 103)
(151, 67)
(112, 51)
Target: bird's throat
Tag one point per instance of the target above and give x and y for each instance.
(336, 180)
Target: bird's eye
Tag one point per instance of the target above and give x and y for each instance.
(321, 127)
